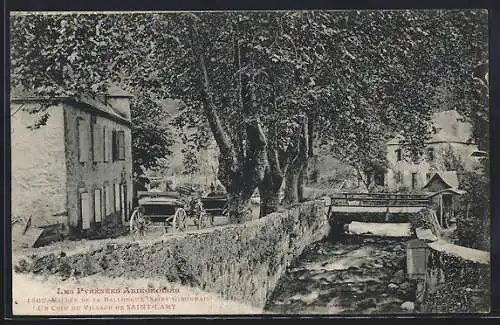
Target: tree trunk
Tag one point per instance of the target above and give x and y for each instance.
(292, 176)
(269, 188)
(238, 206)
(301, 181)
(240, 170)
(269, 200)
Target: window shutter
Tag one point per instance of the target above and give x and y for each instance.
(110, 200)
(97, 205)
(117, 197)
(121, 145)
(109, 140)
(97, 144)
(85, 210)
(105, 145)
(122, 202)
(83, 142)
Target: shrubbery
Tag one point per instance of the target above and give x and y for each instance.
(473, 222)
(473, 233)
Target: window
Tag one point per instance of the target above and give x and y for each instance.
(98, 143)
(83, 141)
(427, 177)
(398, 155)
(397, 177)
(118, 145)
(85, 209)
(97, 205)
(121, 145)
(413, 180)
(379, 179)
(108, 200)
(430, 154)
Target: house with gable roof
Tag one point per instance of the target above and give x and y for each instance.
(76, 170)
(451, 138)
(444, 190)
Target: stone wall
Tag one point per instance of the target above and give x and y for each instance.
(38, 165)
(239, 262)
(457, 280)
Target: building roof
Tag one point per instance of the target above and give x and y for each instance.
(115, 91)
(394, 141)
(100, 106)
(448, 191)
(20, 94)
(442, 122)
(449, 178)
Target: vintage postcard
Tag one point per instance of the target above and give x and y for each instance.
(331, 162)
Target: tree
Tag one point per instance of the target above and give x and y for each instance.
(77, 54)
(269, 84)
(449, 160)
(151, 136)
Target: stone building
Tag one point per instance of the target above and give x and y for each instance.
(449, 149)
(76, 170)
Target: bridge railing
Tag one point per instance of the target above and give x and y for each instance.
(379, 199)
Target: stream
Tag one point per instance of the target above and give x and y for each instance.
(358, 274)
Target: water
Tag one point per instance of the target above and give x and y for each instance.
(356, 275)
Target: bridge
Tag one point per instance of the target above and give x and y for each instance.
(375, 207)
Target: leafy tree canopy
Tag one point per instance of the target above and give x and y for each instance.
(269, 83)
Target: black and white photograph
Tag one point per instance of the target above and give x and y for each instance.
(250, 162)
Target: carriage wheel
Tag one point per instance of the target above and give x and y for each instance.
(204, 219)
(225, 210)
(180, 217)
(138, 224)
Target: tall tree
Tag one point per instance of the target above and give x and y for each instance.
(268, 84)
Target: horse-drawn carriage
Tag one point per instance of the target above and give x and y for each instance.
(172, 210)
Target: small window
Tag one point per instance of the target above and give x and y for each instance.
(83, 141)
(121, 145)
(398, 155)
(430, 154)
(397, 177)
(118, 145)
(413, 180)
(379, 179)
(427, 177)
(97, 205)
(85, 209)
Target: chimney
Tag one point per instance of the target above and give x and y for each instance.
(119, 100)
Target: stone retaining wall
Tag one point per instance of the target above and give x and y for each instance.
(239, 262)
(457, 280)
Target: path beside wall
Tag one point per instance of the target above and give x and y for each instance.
(239, 262)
